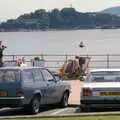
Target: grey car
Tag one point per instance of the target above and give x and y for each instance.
(101, 89)
(31, 87)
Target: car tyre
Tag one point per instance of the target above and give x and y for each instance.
(64, 101)
(34, 106)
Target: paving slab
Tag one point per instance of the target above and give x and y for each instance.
(74, 98)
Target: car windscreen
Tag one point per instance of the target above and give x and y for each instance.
(9, 75)
(105, 76)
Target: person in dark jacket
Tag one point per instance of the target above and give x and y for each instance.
(82, 61)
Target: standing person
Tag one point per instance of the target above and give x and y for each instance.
(36, 61)
(2, 47)
(23, 62)
(81, 64)
(18, 62)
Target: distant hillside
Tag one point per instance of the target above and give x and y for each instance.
(67, 18)
(112, 10)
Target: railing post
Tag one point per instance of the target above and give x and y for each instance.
(42, 56)
(108, 61)
(13, 56)
(66, 58)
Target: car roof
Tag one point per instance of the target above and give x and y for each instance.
(104, 69)
(18, 68)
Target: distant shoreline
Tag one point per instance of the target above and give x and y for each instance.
(28, 30)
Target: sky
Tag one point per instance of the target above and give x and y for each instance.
(11, 9)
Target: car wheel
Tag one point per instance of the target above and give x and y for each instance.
(34, 106)
(64, 101)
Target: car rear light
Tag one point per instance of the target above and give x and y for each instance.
(19, 92)
(87, 92)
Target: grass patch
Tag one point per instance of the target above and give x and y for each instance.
(117, 117)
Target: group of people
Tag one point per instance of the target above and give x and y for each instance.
(74, 68)
(37, 62)
(21, 62)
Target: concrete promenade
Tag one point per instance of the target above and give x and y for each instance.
(74, 98)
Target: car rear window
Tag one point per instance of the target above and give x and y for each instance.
(106, 76)
(9, 75)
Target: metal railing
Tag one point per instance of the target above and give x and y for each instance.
(55, 61)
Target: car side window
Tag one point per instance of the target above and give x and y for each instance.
(47, 75)
(28, 76)
(37, 75)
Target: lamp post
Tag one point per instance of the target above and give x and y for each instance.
(81, 61)
(81, 45)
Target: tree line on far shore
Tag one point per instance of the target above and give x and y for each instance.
(67, 18)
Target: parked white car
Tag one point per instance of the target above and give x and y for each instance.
(101, 88)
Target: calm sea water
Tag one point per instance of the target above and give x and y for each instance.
(62, 42)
